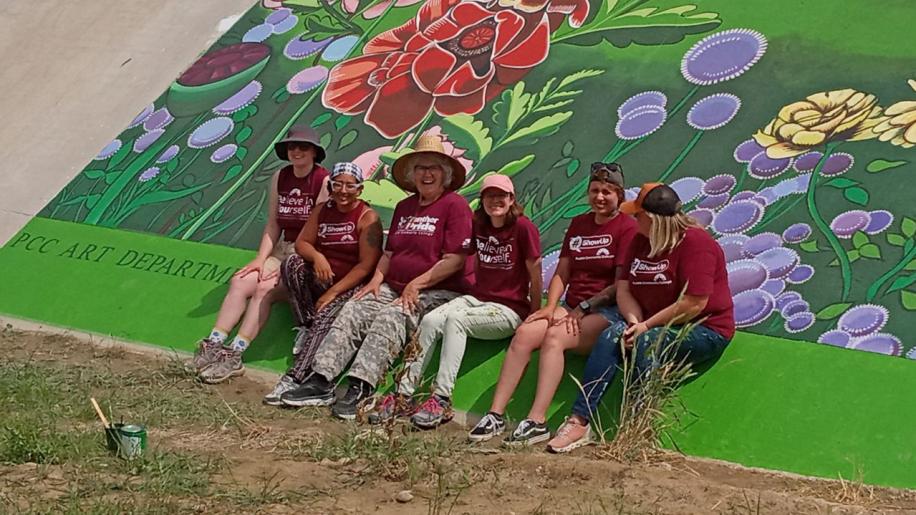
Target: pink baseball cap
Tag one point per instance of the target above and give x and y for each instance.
(500, 182)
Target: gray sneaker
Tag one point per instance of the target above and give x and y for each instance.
(433, 413)
(286, 384)
(206, 353)
(228, 363)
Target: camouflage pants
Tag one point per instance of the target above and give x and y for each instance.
(373, 330)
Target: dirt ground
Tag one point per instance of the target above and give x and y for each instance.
(217, 449)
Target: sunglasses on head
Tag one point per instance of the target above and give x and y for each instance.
(603, 171)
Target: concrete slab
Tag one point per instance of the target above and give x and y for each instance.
(75, 73)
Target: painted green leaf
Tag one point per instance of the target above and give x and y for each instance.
(909, 245)
(572, 167)
(111, 177)
(625, 25)
(241, 115)
(896, 240)
(119, 156)
(908, 299)
(562, 163)
(347, 138)
(511, 107)
(576, 210)
(853, 255)
(513, 167)
(568, 148)
(156, 197)
(468, 133)
(546, 126)
(282, 95)
(299, 5)
(911, 266)
(320, 120)
(870, 251)
(92, 200)
(880, 165)
(93, 174)
(832, 311)
(243, 135)
(859, 239)
(323, 26)
(164, 177)
(902, 282)
(325, 140)
(841, 183)
(240, 153)
(856, 195)
(231, 173)
(342, 121)
(172, 165)
(908, 226)
(809, 246)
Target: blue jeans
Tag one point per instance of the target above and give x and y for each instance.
(701, 344)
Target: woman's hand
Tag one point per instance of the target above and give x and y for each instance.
(546, 313)
(327, 298)
(572, 321)
(632, 333)
(254, 267)
(323, 269)
(410, 298)
(371, 288)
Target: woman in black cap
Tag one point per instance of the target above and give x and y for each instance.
(295, 190)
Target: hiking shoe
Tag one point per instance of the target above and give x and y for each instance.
(392, 406)
(433, 413)
(358, 396)
(490, 425)
(528, 432)
(286, 384)
(302, 334)
(315, 391)
(570, 436)
(206, 353)
(228, 363)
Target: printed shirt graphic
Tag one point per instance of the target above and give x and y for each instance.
(338, 237)
(296, 198)
(593, 251)
(698, 262)
(501, 274)
(420, 235)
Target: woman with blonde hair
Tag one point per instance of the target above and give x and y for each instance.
(674, 274)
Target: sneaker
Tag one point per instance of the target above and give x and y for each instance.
(570, 436)
(433, 413)
(302, 334)
(392, 406)
(206, 353)
(355, 399)
(315, 391)
(228, 363)
(528, 432)
(489, 426)
(286, 384)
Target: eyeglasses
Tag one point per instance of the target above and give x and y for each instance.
(345, 186)
(425, 168)
(298, 145)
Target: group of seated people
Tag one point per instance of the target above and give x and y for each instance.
(630, 275)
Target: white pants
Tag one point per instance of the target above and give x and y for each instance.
(454, 322)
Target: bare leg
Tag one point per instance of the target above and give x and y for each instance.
(236, 300)
(266, 293)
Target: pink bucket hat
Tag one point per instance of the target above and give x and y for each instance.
(500, 182)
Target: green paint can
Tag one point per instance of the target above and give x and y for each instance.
(133, 441)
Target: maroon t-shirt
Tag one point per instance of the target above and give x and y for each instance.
(501, 273)
(420, 235)
(698, 262)
(338, 237)
(297, 197)
(593, 251)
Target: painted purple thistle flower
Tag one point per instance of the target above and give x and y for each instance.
(837, 164)
(787, 297)
(258, 33)
(799, 322)
(763, 167)
(801, 274)
(779, 261)
(768, 195)
(210, 132)
(140, 118)
(687, 188)
(761, 243)
(807, 162)
(144, 142)
(108, 150)
(844, 225)
(880, 343)
(223, 153)
(732, 245)
(752, 307)
(240, 100)
(722, 56)
(704, 217)
(159, 119)
(719, 184)
(738, 217)
(879, 221)
(307, 79)
(802, 182)
(339, 48)
(303, 46)
(747, 150)
(549, 266)
(168, 154)
(863, 319)
(286, 25)
(713, 201)
(631, 193)
(785, 187)
(797, 233)
(149, 174)
(835, 337)
(745, 274)
(640, 122)
(774, 286)
(278, 15)
(743, 195)
(793, 308)
(713, 111)
(646, 98)
(911, 354)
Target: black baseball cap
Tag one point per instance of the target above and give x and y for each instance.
(656, 198)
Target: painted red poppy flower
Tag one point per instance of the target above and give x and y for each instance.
(452, 58)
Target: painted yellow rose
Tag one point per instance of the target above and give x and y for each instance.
(900, 126)
(841, 115)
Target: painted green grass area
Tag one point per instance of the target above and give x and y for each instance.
(765, 403)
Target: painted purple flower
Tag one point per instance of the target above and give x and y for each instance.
(631, 193)
(801, 274)
(732, 245)
(797, 233)
(713, 201)
(240, 100)
(835, 337)
(802, 182)
(752, 307)
(719, 184)
(738, 217)
(786, 297)
(149, 174)
(786, 187)
(761, 243)
(837, 164)
(807, 162)
(258, 33)
(210, 132)
(548, 267)
(799, 322)
(779, 261)
(687, 188)
(743, 195)
(303, 46)
(746, 274)
(159, 119)
(167, 154)
(848, 223)
(339, 48)
(144, 142)
(774, 286)
(880, 343)
(911, 354)
(703, 216)
(793, 308)
(223, 153)
(762, 200)
(307, 79)
(286, 25)
(768, 195)
(640, 122)
(879, 221)
(140, 118)
(722, 56)
(108, 150)
(646, 98)
(278, 15)
(863, 319)
(747, 150)
(713, 111)
(762, 167)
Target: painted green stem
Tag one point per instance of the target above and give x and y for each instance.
(680, 157)
(821, 224)
(879, 283)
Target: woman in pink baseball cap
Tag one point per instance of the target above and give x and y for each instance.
(507, 290)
